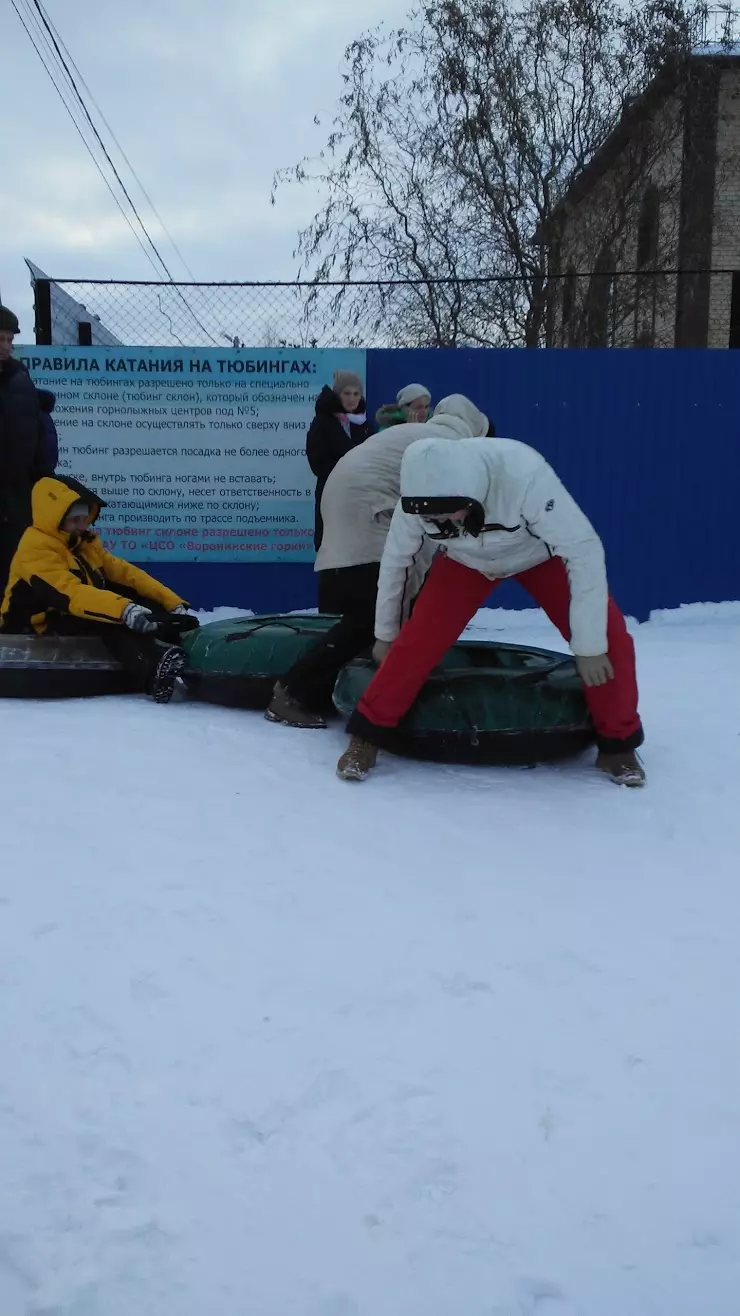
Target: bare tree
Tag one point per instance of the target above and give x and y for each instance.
(455, 139)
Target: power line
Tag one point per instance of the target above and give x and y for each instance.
(39, 8)
(85, 142)
(58, 57)
(98, 138)
(124, 156)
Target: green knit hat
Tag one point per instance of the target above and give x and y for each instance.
(8, 321)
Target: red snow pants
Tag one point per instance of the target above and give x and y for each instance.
(450, 597)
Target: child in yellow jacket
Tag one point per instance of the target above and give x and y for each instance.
(63, 582)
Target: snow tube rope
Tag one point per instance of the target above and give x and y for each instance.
(484, 703)
(479, 713)
(237, 662)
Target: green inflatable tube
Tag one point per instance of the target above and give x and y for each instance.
(485, 703)
(237, 662)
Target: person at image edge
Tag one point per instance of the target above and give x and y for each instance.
(63, 582)
(24, 453)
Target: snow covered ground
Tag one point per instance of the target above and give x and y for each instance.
(456, 1042)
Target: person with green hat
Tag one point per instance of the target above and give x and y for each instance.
(23, 456)
(411, 407)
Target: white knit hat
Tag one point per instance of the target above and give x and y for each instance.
(411, 393)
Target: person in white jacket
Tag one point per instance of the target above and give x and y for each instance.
(356, 509)
(496, 510)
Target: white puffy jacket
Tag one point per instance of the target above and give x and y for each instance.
(529, 517)
(364, 487)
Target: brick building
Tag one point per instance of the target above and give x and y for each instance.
(661, 195)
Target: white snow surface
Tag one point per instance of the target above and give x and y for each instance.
(455, 1042)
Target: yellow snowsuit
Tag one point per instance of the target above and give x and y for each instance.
(54, 571)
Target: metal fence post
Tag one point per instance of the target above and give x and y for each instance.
(42, 307)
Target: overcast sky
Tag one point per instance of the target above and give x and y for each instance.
(207, 97)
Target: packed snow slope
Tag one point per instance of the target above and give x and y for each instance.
(454, 1042)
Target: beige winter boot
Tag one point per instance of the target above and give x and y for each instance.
(624, 768)
(358, 760)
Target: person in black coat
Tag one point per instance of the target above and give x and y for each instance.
(340, 423)
(47, 402)
(23, 458)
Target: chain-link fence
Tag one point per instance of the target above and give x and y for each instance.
(252, 314)
(634, 308)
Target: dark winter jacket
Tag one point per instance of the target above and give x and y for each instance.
(47, 402)
(390, 414)
(23, 459)
(327, 441)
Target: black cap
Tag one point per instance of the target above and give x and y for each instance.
(8, 321)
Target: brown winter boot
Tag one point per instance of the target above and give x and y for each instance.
(624, 768)
(357, 760)
(283, 707)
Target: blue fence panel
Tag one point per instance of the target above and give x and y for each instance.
(263, 587)
(647, 442)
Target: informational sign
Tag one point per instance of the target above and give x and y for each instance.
(200, 454)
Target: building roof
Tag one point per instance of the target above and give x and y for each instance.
(635, 112)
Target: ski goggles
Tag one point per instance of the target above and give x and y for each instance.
(438, 511)
(433, 509)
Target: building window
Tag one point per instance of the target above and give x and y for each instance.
(648, 229)
(600, 302)
(570, 286)
(734, 340)
(646, 309)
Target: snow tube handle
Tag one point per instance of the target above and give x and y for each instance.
(247, 635)
(295, 627)
(500, 676)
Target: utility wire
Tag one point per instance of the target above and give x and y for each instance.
(124, 156)
(85, 142)
(51, 37)
(39, 9)
(98, 138)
